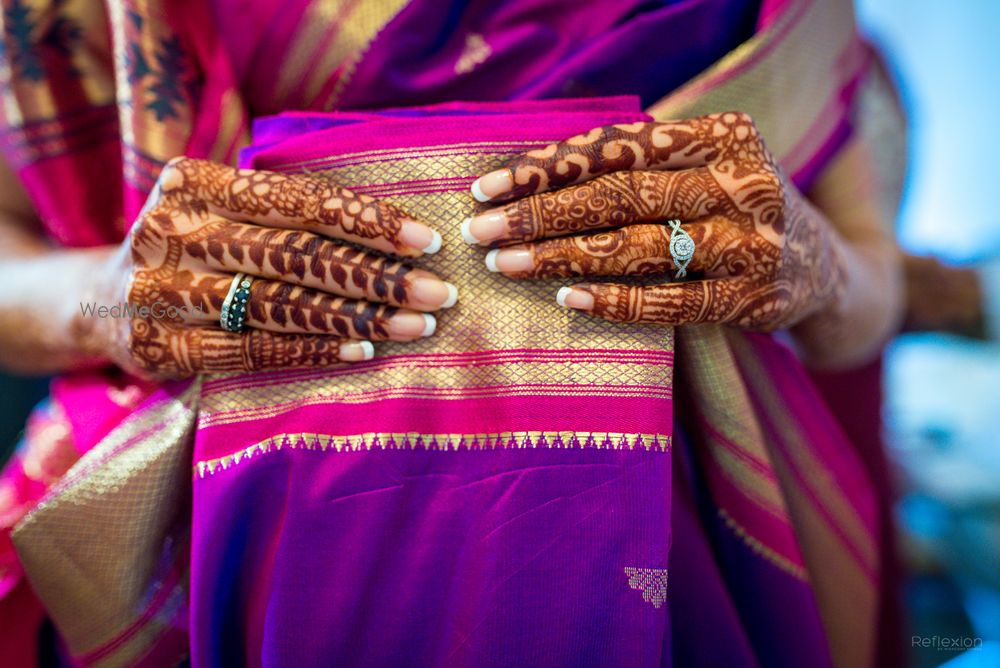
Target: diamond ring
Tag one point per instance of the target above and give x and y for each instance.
(681, 247)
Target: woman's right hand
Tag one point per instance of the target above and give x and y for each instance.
(314, 301)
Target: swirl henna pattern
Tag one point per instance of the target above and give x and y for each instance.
(315, 301)
(765, 258)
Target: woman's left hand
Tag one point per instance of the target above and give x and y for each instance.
(764, 258)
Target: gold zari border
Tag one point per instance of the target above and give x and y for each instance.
(513, 440)
(92, 545)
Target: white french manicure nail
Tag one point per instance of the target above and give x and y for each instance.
(477, 192)
(430, 324)
(452, 296)
(491, 260)
(435, 245)
(369, 350)
(467, 232)
(561, 296)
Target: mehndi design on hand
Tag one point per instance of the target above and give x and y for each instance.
(315, 300)
(765, 258)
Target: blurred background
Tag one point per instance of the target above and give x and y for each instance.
(943, 392)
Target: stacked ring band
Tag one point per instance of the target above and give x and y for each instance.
(234, 306)
(681, 247)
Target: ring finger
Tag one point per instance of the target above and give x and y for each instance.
(636, 250)
(280, 307)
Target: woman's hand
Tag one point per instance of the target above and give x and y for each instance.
(314, 301)
(764, 258)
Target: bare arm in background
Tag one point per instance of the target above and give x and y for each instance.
(41, 326)
(871, 308)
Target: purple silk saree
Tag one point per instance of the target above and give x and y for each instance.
(521, 488)
(500, 494)
(496, 494)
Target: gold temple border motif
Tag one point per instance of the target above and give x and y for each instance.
(442, 442)
(240, 413)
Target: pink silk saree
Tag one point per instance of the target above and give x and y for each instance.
(515, 488)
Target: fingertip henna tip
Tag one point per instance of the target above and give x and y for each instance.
(561, 296)
(491, 260)
(435, 245)
(466, 230)
(477, 191)
(430, 324)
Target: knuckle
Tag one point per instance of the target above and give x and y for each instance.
(248, 351)
(173, 174)
(172, 168)
(772, 180)
(176, 161)
(743, 118)
(131, 287)
(649, 191)
(135, 235)
(135, 345)
(594, 150)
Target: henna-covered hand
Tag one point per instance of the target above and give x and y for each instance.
(314, 301)
(764, 257)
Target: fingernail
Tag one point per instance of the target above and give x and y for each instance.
(573, 298)
(357, 351)
(485, 227)
(433, 292)
(452, 296)
(435, 245)
(430, 324)
(488, 186)
(509, 260)
(418, 235)
(491, 260)
(408, 325)
(466, 234)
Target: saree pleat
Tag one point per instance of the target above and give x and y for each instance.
(108, 546)
(789, 506)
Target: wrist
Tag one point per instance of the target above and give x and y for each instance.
(92, 335)
(860, 313)
(41, 328)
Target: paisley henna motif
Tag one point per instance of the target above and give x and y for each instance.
(772, 259)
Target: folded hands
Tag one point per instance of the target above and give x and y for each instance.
(593, 206)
